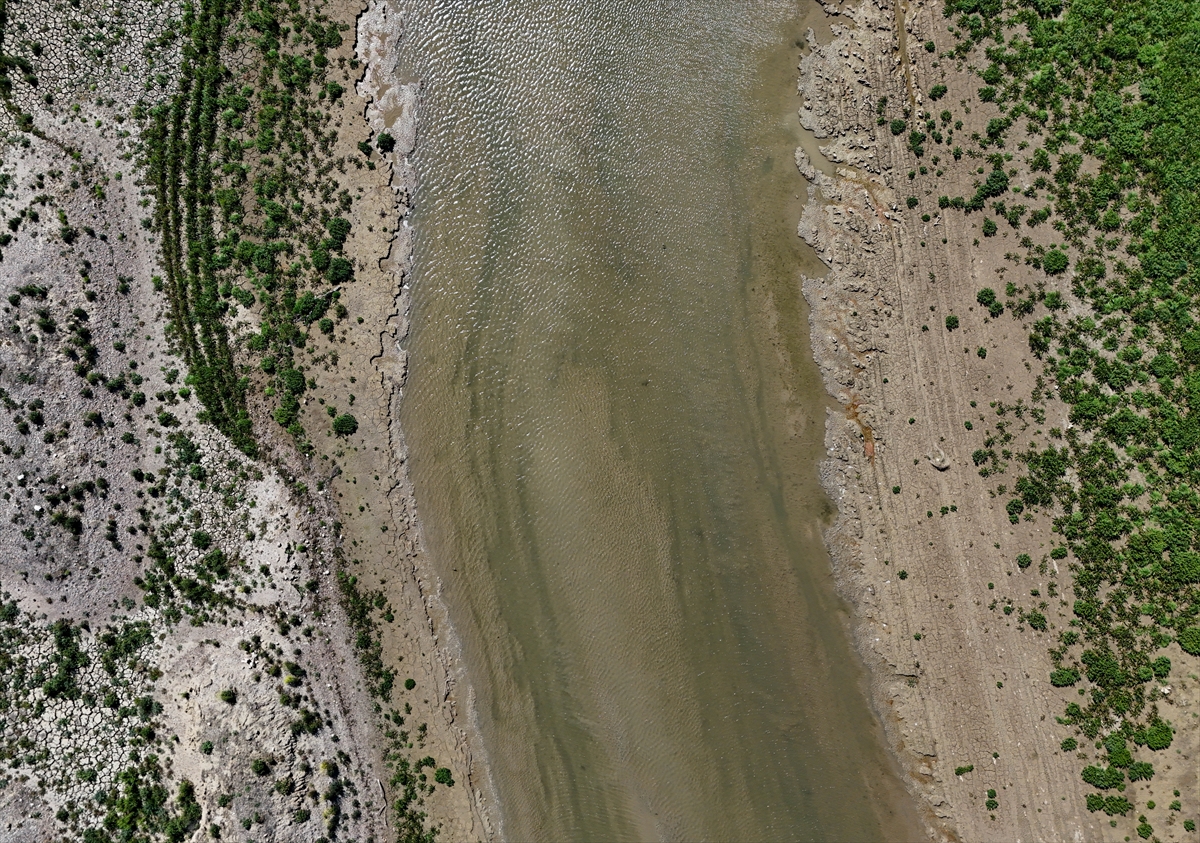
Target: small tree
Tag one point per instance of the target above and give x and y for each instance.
(345, 425)
(385, 142)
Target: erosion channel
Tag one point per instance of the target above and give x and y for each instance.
(614, 423)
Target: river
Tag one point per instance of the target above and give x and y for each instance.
(614, 422)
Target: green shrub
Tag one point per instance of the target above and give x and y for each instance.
(937, 92)
(1117, 805)
(962, 771)
(951, 322)
(1064, 677)
(385, 142)
(1014, 508)
(1055, 262)
(1068, 745)
(339, 230)
(442, 776)
(293, 381)
(229, 695)
(1103, 778)
(987, 298)
(410, 683)
(897, 127)
(345, 425)
(340, 270)
(1159, 734)
(1024, 561)
(1189, 640)
(320, 259)
(989, 228)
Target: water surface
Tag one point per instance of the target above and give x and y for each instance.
(614, 423)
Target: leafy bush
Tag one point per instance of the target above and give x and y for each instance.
(1064, 677)
(1055, 262)
(340, 270)
(293, 381)
(951, 322)
(897, 127)
(1158, 735)
(339, 230)
(345, 425)
(987, 298)
(1103, 778)
(1189, 640)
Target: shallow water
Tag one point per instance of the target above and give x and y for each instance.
(614, 423)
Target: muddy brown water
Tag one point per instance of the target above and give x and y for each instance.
(614, 423)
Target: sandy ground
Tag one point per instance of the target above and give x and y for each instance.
(957, 681)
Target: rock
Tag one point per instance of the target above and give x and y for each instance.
(804, 165)
(939, 460)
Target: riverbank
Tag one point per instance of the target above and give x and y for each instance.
(957, 600)
(379, 514)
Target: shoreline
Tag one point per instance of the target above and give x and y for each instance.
(394, 107)
(881, 369)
